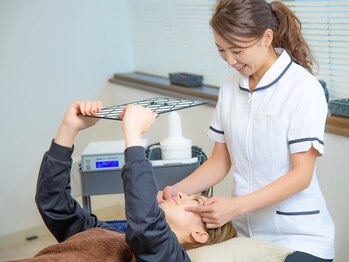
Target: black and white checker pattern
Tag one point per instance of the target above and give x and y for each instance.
(159, 105)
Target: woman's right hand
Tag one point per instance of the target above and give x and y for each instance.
(167, 193)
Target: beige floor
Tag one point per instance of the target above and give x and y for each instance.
(28, 249)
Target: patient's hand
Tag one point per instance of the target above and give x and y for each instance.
(73, 119)
(136, 120)
(73, 122)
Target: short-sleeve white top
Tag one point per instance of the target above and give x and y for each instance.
(284, 115)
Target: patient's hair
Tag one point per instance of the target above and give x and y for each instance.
(216, 235)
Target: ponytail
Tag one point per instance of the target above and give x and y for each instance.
(288, 36)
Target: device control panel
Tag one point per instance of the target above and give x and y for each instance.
(103, 155)
(102, 162)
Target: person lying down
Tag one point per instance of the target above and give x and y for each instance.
(155, 232)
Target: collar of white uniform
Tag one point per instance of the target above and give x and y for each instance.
(274, 73)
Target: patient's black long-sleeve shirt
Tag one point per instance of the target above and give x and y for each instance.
(61, 213)
(148, 233)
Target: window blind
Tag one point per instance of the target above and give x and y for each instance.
(325, 26)
(175, 36)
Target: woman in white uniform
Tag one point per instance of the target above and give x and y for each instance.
(268, 128)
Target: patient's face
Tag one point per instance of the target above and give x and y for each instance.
(176, 215)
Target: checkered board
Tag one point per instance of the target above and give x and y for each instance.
(158, 105)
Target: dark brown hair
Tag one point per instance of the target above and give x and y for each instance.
(236, 19)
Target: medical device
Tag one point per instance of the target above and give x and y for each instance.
(102, 161)
(103, 155)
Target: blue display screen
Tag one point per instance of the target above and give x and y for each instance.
(106, 164)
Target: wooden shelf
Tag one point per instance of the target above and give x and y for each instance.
(338, 125)
(163, 86)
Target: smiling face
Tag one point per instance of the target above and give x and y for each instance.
(183, 222)
(251, 57)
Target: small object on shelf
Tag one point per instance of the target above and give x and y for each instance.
(185, 79)
(324, 86)
(339, 107)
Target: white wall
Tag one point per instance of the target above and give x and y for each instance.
(333, 172)
(51, 53)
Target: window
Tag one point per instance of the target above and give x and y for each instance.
(172, 36)
(325, 26)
